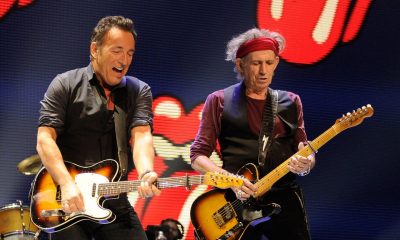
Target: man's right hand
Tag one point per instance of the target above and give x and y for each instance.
(71, 198)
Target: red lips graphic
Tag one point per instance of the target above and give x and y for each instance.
(6, 5)
(312, 28)
(174, 131)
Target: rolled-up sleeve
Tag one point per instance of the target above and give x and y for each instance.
(143, 113)
(301, 135)
(210, 127)
(53, 106)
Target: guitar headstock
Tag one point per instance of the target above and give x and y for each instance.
(353, 119)
(222, 180)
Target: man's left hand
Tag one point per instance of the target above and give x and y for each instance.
(301, 165)
(147, 188)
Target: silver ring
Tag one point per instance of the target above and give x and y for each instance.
(240, 193)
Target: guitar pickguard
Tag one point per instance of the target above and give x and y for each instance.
(46, 209)
(87, 182)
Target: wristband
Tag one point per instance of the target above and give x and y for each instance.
(144, 173)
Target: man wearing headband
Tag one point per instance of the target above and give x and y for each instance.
(254, 124)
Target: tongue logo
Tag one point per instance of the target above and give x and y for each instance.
(174, 131)
(6, 5)
(312, 28)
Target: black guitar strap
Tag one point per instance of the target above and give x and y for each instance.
(265, 137)
(120, 135)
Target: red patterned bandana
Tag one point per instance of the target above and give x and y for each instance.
(257, 44)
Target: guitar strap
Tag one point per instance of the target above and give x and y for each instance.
(265, 137)
(120, 135)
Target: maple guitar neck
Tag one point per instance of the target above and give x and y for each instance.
(347, 121)
(266, 182)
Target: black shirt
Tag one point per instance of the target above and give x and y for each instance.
(75, 106)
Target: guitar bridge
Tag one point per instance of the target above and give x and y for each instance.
(232, 232)
(224, 215)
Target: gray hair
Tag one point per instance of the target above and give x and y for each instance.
(234, 44)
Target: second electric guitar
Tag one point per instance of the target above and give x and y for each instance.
(217, 214)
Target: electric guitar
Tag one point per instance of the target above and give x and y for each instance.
(98, 183)
(218, 214)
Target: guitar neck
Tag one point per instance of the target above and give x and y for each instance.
(272, 177)
(115, 188)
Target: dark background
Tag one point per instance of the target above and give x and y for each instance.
(353, 191)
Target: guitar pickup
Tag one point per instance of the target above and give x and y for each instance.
(224, 215)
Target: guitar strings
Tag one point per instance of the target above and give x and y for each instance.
(127, 186)
(226, 211)
(277, 173)
(282, 168)
(185, 181)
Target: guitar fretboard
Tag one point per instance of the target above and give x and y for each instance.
(266, 182)
(115, 188)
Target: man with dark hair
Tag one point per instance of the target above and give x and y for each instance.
(77, 124)
(169, 229)
(175, 229)
(257, 126)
